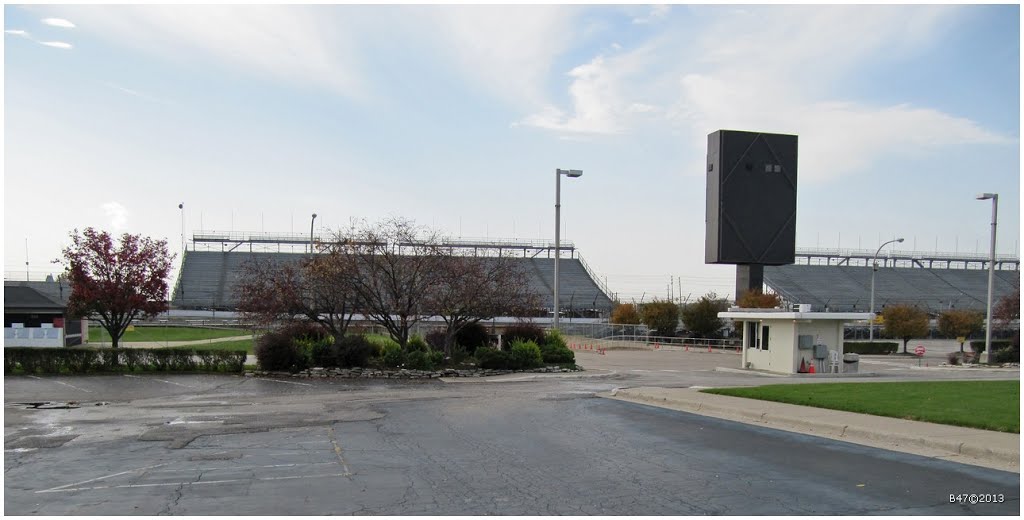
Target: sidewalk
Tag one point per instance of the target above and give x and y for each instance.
(958, 444)
(162, 344)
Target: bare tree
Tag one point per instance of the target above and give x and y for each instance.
(314, 288)
(472, 289)
(395, 269)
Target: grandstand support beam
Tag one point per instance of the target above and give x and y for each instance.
(748, 278)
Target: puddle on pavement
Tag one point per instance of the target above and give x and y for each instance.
(55, 405)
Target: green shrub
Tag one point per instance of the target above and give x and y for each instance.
(492, 358)
(458, 354)
(554, 338)
(557, 354)
(78, 360)
(380, 341)
(523, 332)
(321, 352)
(420, 360)
(869, 347)
(954, 358)
(978, 346)
(392, 355)
(555, 350)
(279, 350)
(1006, 355)
(355, 351)
(525, 354)
(472, 336)
(417, 343)
(172, 359)
(435, 339)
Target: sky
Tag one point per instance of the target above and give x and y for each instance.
(255, 117)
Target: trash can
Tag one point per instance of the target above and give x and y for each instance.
(851, 363)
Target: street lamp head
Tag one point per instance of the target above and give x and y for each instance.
(571, 173)
(899, 240)
(986, 196)
(181, 205)
(314, 215)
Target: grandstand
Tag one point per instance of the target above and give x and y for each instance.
(212, 268)
(841, 281)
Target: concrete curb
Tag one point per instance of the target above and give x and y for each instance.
(509, 378)
(966, 445)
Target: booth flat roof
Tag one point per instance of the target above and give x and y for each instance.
(764, 314)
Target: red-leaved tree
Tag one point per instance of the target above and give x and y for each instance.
(116, 283)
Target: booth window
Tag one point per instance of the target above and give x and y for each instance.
(751, 335)
(764, 337)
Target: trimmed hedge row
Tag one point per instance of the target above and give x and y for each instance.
(36, 360)
(978, 346)
(1003, 350)
(870, 347)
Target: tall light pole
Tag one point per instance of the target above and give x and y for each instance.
(311, 233)
(874, 267)
(558, 223)
(181, 208)
(991, 273)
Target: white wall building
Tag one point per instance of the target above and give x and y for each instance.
(779, 340)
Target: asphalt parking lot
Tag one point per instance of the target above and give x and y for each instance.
(230, 445)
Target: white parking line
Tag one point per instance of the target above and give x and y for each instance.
(285, 382)
(62, 488)
(190, 483)
(62, 383)
(160, 380)
(232, 468)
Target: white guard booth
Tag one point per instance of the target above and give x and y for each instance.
(779, 340)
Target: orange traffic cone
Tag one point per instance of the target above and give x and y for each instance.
(810, 368)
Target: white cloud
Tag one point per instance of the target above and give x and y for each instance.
(771, 70)
(779, 74)
(600, 94)
(59, 45)
(117, 214)
(58, 22)
(507, 49)
(657, 12)
(27, 36)
(295, 44)
(134, 93)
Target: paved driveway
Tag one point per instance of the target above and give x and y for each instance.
(229, 445)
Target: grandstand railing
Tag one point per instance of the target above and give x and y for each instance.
(593, 276)
(905, 256)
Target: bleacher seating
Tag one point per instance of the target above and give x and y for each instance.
(207, 280)
(843, 288)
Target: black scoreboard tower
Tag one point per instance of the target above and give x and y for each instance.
(751, 203)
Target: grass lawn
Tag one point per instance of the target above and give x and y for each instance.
(241, 344)
(380, 340)
(166, 334)
(988, 405)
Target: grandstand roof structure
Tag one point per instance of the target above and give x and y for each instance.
(210, 271)
(841, 281)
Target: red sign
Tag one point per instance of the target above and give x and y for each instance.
(919, 350)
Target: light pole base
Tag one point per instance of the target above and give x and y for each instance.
(983, 358)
